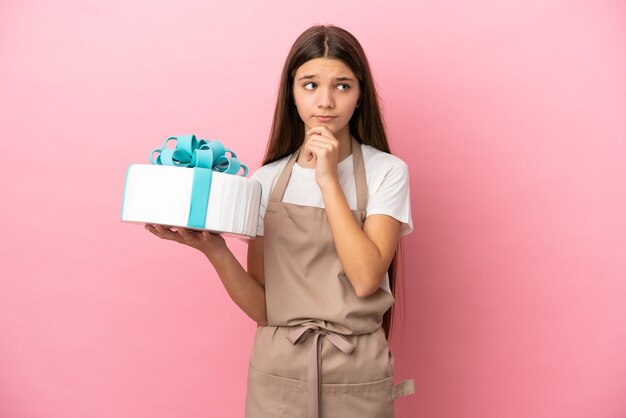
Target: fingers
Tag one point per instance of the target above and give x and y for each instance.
(189, 235)
(321, 146)
(181, 235)
(160, 232)
(316, 149)
(322, 138)
(321, 130)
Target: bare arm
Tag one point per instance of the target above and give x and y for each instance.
(245, 289)
(365, 254)
(256, 269)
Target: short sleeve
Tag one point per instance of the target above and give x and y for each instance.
(391, 195)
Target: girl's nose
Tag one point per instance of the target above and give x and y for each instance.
(325, 99)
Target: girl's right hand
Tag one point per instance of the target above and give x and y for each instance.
(208, 243)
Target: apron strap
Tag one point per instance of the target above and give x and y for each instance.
(300, 334)
(360, 178)
(281, 184)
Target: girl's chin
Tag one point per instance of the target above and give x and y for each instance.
(329, 125)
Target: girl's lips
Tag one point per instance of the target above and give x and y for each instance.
(325, 118)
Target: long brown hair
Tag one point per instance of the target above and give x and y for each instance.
(366, 125)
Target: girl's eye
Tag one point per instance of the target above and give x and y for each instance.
(345, 86)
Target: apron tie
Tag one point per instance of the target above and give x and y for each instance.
(300, 334)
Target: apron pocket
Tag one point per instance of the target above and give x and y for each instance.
(358, 400)
(270, 396)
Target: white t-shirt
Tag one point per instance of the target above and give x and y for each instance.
(387, 183)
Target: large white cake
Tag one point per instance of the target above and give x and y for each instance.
(161, 194)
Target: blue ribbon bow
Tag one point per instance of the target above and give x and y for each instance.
(204, 157)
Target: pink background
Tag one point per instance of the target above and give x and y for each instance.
(511, 116)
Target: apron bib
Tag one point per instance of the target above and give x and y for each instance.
(323, 353)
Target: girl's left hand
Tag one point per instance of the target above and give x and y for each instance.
(324, 147)
(210, 244)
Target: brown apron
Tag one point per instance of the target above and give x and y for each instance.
(323, 352)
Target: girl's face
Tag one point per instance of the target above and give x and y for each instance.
(326, 87)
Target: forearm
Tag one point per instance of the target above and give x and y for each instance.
(243, 289)
(361, 260)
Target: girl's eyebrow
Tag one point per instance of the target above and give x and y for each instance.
(309, 76)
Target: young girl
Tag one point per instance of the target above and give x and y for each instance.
(334, 205)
